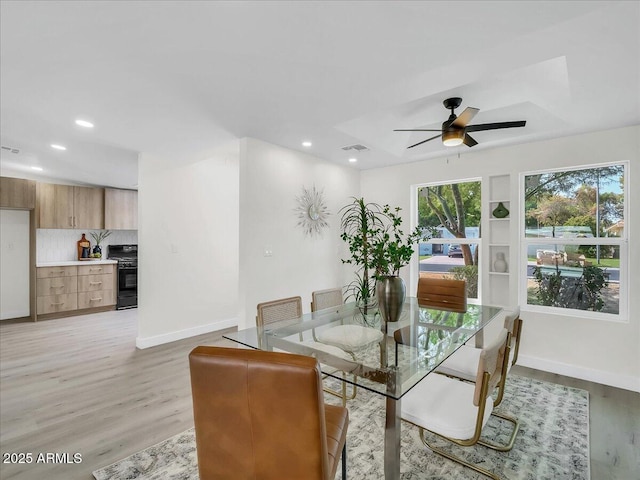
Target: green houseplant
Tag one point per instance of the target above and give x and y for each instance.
(99, 237)
(378, 248)
(360, 223)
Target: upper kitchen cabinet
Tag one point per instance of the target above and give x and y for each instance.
(88, 207)
(120, 209)
(64, 206)
(17, 193)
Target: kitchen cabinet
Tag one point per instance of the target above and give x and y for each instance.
(96, 286)
(17, 193)
(67, 289)
(120, 209)
(56, 289)
(65, 206)
(88, 207)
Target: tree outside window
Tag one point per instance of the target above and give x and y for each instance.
(452, 212)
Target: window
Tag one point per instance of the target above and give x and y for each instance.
(451, 212)
(574, 241)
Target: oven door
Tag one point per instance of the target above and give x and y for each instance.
(127, 281)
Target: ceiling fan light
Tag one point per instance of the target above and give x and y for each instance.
(452, 138)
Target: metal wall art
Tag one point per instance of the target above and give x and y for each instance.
(312, 211)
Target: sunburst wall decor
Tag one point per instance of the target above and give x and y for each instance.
(312, 211)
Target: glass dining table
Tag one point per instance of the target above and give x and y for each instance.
(406, 352)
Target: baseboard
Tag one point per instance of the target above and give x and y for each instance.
(15, 314)
(146, 342)
(626, 382)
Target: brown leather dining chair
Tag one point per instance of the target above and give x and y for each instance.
(442, 293)
(261, 416)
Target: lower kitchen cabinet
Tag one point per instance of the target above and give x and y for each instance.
(57, 303)
(75, 289)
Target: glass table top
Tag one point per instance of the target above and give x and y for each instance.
(386, 358)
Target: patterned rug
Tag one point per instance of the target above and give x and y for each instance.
(553, 442)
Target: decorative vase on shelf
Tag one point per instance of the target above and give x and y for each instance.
(391, 293)
(83, 247)
(500, 264)
(500, 211)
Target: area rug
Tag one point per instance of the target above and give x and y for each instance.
(553, 442)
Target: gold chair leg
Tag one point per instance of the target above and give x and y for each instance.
(453, 458)
(512, 438)
(343, 391)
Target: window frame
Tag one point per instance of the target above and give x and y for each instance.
(459, 241)
(622, 242)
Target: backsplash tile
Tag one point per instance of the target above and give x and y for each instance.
(57, 245)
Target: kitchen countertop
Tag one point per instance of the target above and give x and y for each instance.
(71, 263)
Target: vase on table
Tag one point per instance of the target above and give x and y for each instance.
(391, 293)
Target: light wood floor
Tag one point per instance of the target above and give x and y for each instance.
(79, 385)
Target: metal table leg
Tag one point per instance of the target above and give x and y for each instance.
(392, 440)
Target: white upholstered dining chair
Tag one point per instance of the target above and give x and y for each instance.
(349, 338)
(463, 362)
(458, 411)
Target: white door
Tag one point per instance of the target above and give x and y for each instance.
(14, 264)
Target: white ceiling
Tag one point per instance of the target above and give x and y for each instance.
(177, 78)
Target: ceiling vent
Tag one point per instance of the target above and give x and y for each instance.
(357, 147)
(10, 149)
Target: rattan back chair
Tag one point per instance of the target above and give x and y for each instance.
(289, 309)
(278, 310)
(321, 299)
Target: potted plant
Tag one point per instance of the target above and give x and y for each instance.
(379, 248)
(360, 223)
(392, 250)
(98, 237)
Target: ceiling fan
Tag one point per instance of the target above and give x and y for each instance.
(455, 130)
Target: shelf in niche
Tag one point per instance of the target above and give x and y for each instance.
(494, 219)
(499, 273)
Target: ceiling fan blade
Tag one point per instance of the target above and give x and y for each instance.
(465, 117)
(495, 126)
(424, 141)
(468, 140)
(419, 130)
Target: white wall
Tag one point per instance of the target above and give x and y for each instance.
(14, 264)
(188, 245)
(271, 177)
(602, 351)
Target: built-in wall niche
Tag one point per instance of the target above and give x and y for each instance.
(60, 245)
(499, 234)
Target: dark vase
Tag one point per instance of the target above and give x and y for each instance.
(97, 249)
(500, 211)
(391, 293)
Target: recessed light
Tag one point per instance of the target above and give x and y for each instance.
(353, 160)
(84, 123)
(306, 144)
(58, 147)
(38, 169)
